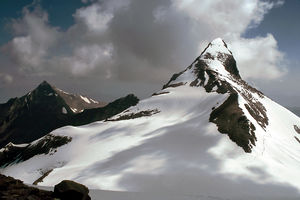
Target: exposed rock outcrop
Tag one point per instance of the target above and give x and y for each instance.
(67, 190)
(12, 189)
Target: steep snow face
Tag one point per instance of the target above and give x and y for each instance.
(85, 99)
(78, 103)
(190, 138)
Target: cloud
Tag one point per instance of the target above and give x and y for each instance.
(94, 17)
(87, 58)
(166, 36)
(5, 79)
(140, 40)
(33, 39)
(258, 58)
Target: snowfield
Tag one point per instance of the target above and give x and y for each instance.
(174, 152)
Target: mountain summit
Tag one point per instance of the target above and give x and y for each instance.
(215, 61)
(217, 50)
(77, 103)
(207, 134)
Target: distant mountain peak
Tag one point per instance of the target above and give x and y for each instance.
(44, 85)
(46, 108)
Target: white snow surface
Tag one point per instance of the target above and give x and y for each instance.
(85, 99)
(62, 91)
(217, 46)
(64, 110)
(177, 151)
(75, 110)
(94, 101)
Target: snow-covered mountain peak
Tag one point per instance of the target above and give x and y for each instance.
(216, 63)
(219, 58)
(216, 71)
(218, 41)
(215, 47)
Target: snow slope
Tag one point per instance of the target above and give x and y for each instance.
(170, 143)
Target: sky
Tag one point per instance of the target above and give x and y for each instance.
(107, 49)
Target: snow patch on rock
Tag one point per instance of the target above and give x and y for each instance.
(64, 110)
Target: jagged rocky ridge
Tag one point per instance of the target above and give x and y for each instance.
(12, 153)
(25, 119)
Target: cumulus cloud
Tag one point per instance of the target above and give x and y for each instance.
(87, 58)
(168, 35)
(5, 79)
(140, 40)
(33, 38)
(258, 57)
(94, 17)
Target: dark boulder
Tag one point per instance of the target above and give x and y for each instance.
(67, 189)
(12, 189)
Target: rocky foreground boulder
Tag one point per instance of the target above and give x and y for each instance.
(12, 189)
(71, 190)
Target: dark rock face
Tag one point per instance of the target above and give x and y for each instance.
(111, 109)
(230, 65)
(45, 174)
(46, 145)
(297, 129)
(174, 77)
(298, 140)
(144, 113)
(12, 189)
(67, 190)
(32, 116)
(25, 119)
(159, 93)
(231, 120)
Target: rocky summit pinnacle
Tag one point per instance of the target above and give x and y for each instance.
(214, 64)
(217, 53)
